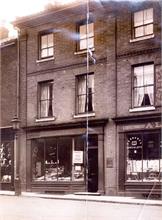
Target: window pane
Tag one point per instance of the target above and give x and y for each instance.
(138, 18)
(138, 76)
(148, 16)
(44, 91)
(82, 31)
(78, 159)
(139, 31)
(90, 42)
(134, 158)
(44, 108)
(81, 103)
(83, 44)
(91, 29)
(148, 74)
(138, 96)
(44, 53)
(5, 162)
(151, 156)
(148, 97)
(50, 40)
(90, 100)
(44, 42)
(90, 92)
(38, 160)
(50, 51)
(91, 82)
(81, 84)
(148, 29)
(51, 159)
(64, 159)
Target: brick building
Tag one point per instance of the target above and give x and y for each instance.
(109, 95)
(8, 72)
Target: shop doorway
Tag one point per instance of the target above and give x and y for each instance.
(93, 169)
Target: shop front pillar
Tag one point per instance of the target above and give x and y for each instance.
(101, 164)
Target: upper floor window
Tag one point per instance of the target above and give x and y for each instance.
(143, 23)
(86, 36)
(45, 96)
(143, 85)
(46, 45)
(85, 93)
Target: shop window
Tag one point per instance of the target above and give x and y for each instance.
(6, 162)
(144, 160)
(51, 159)
(45, 96)
(143, 23)
(78, 159)
(86, 36)
(143, 85)
(46, 45)
(85, 93)
(58, 159)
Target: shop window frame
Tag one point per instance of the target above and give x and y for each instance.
(142, 133)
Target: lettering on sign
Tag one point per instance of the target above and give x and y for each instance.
(153, 125)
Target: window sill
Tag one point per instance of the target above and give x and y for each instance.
(45, 60)
(83, 51)
(45, 119)
(141, 109)
(142, 38)
(84, 115)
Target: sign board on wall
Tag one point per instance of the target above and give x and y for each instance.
(77, 157)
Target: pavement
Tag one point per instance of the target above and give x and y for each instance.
(89, 197)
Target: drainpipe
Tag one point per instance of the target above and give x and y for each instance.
(18, 76)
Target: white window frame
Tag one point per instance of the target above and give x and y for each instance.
(84, 109)
(83, 36)
(143, 24)
(146, 88)
(48, 101)
(48, 46)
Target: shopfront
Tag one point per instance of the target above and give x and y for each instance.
(63, 159)
(140, 147)
(58, 163)
(6, 159)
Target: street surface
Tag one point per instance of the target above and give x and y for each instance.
(32, 208)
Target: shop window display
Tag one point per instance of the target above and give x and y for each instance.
(144, 160)
(5, 162)
(58, 159)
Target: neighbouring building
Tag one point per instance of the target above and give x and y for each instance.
(8, 72)
(90, 110)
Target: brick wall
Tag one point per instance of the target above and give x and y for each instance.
(8, 84)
